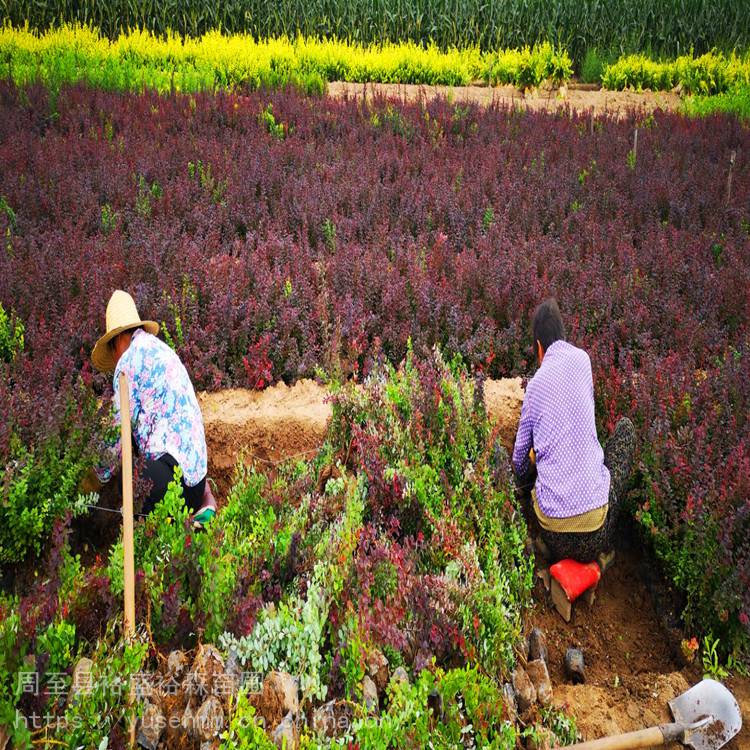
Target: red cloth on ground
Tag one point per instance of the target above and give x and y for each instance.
(575, 577)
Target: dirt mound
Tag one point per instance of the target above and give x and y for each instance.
(631, 665)
(602, 711)
(290, 421)
(503, 399)
(265, 426)
(578, 99)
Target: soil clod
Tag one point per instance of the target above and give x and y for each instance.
(539, 676)
(537, 645)
(574, 666)
(525, 690)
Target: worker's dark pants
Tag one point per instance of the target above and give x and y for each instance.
(161, 472)
(585, 546)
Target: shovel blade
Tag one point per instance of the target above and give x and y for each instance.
(707, 698)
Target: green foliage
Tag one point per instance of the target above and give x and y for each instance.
(488, 219)
(289, 638)
(41, 483)
(736, 102)
(11, 335)
(245, 732)
(276, 129)
(57, 640)
(712, 666)
(203, 567)
(90, 717)
(530, 67)
(593, 65)
(138, 59)
(213, 187)
(109, 219)
(563, 725)
(10, 217)
(474, 715)
(709, 74)
(352, 659)
(145, 195)
(13, 649)
(329, 235)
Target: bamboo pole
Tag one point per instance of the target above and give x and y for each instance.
(732, 157)
(127, 506)
(126, 442)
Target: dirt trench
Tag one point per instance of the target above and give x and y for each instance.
(633, 663)
(281, 422)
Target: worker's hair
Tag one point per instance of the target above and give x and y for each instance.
(547, 325)
(111, 342)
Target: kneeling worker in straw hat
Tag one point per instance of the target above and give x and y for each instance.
(166, 419)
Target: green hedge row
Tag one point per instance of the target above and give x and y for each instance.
(663, 27)
(140, 59)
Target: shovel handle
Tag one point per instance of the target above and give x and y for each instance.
(642, 738)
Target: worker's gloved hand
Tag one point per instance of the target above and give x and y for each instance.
(90, 483)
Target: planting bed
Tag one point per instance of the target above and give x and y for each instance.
(634, 663)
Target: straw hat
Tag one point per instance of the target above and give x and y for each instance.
(122, 315)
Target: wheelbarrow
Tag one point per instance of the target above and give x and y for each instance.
(706, 717)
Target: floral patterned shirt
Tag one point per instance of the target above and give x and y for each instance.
(165, 415)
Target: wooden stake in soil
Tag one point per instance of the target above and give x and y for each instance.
(127, 506)
(127, 523)
(732, 157)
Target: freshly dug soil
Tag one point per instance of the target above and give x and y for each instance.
(631, 667)
(264, 426)
(503, 399)
(579, 100)
(284, 421)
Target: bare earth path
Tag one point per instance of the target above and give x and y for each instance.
(580, 100)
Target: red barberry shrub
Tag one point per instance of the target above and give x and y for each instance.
(369, 226)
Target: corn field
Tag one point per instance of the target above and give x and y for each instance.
(659, 27)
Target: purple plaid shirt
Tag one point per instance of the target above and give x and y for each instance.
(557, 420)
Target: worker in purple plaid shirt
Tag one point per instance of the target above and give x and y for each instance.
(576, 486)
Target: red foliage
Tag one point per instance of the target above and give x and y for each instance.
(650, 265)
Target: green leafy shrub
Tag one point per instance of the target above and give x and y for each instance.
(245, 731)
(474, 715)
(289, 638)
(707, 75)
(735, 102)
(593, 65)
(11, 335)
(529, 67)
(41, 483)
(89, 719)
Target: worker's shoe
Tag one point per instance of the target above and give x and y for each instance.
(202, 517)
(207, 510)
